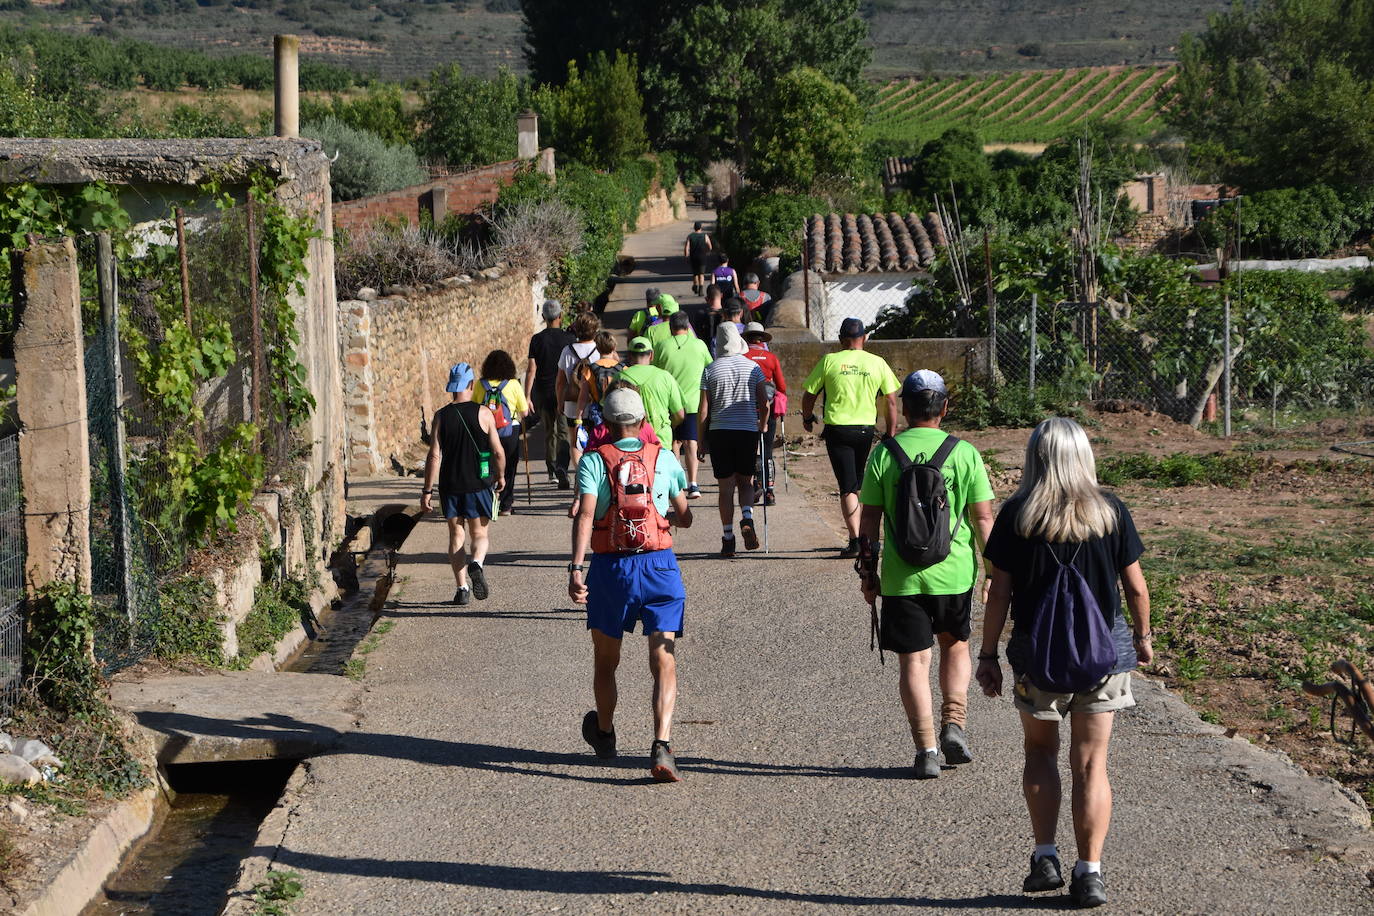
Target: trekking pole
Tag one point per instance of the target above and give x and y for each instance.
(786, 477)
(525, 447)
(763, 458)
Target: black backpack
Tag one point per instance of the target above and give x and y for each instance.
(920, 520)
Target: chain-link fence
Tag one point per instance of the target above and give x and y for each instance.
(178, 372)
(11, 574)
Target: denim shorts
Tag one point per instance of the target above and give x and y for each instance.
(623, 589)
(466, 505)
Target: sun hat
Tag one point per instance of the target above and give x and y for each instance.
(852, 327)
(624, 405)
(923, 380)
(754, 329)
(641, 345)
(728, 341)
(459, 378)
(552, 309)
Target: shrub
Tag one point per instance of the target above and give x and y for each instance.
(535, 234)
(366, 163)
(1283, 223)
(469, 120)
(389, 257)
(766, 221)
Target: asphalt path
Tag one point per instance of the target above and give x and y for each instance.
(467, 787)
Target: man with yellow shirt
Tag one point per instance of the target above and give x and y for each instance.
(853, 381)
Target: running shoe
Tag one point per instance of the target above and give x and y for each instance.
(1045, 875)
(479, 581)
(751, 537)
(662, 766)
(851, 551)
(927, 765)
(693, 491)
(563, 483)
(727, 546)
(954, 744)
(603, 743)
(1088, 890)
(462, 596)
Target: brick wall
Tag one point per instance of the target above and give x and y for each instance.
(398, 350)
(465, 193)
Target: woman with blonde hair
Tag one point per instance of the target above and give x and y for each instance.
(1061, 517)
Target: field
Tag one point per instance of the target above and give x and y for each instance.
(1033, 106)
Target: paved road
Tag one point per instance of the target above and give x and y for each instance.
(467, 788)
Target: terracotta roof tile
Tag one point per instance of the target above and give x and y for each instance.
(864, 243)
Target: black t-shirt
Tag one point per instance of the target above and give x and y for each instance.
(698, 244)
(545, 348)
(461, 442)
(1031, 563)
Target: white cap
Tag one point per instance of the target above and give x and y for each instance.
(624, 405)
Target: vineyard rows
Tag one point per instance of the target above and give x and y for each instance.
(1034, 106)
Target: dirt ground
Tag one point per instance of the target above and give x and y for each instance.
(1256, 587)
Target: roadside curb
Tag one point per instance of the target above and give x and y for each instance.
(271, 836)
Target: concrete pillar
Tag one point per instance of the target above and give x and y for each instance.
(54, 449)
(286, 50)
(528, 131)
(436, 199)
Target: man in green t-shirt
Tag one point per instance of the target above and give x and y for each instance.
(683, 356)
(921, 605)
(664, 406)
(853, 381)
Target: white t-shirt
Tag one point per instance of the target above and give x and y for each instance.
(573, 354)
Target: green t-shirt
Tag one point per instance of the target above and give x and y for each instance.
(966, 480)
(658, 333)
(684, 357)
(662, 397)
(852, 381)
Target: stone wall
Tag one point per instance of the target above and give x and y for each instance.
(398, 350)
(661, 208)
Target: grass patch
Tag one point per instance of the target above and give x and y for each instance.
(1220, 469)
(356, 666)
(276, 611)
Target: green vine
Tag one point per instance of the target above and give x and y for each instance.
(58, 649)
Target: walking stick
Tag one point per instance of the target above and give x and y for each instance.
(525, 447)
(786, 477)
(763, 459)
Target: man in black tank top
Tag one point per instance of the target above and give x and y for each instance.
(467, 462)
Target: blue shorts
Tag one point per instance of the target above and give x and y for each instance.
(643, 587)
(466, 505)
(686, 431)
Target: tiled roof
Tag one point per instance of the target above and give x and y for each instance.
(845, 243)
(894, 168)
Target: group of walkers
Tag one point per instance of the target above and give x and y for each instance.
(628, 437)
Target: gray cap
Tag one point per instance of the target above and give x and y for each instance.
(923, 380)
(552, 309)
(624, 405)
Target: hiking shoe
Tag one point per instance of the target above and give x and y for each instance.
(1088, 890)
(927, 765)
(603, 743)
(768, 498)
(563, 483)
(851, 551)
(751, 537)
(479, 581)
(954, 744)
(693, 491)
(462, 596)
(662, 766)
(1045, 875)
(727, 546)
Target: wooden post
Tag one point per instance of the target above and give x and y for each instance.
(259, 377)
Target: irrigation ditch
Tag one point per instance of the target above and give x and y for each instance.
(208, 813)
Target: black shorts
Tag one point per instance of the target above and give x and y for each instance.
(733, 451)
(909, 622)
(698, 264)
(848, 448)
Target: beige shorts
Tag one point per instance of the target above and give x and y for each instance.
(1112, 694)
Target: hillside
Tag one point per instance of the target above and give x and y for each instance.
(1031, 106)
(407, 38)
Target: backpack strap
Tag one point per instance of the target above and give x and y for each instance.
(942, 453)
(898, 453)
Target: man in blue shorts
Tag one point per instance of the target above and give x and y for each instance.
(624, 491)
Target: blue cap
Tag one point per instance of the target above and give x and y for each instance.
(923, 380)
(459, 378)
(851, 327)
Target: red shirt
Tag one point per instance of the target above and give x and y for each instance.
(768, 362)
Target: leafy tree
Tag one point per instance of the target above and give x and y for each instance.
(467, 119)
(381, 111)
(814, 131)
(598, 119)
(24, 113)
(367, 164)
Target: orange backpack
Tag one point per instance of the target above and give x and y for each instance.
(632, 524)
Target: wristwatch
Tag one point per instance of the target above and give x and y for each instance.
(577, 567)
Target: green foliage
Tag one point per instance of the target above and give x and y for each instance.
(812, 133)
(366, 163)
(1283, 223)
(174, 372)
(58, 639)
(208, 119)
(596, 119)
(381, 110)
(765, 220)
(468, 120)
(213, 486)
(24, 112)
(1220, 469)
(278, 895)
(276, 611)
(55, 210)
(188, 622)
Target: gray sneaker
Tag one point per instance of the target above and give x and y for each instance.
(1088, 890)
(927, 765)
(954, 744)
(662, 766)
(478, 577)
(1045, 875)
(462, 596)
(603, 743)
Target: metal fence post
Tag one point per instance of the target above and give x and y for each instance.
(108, 277)
(1226, 366)
(1034, 341)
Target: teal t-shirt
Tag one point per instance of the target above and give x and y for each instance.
(966, 480)
(669, 478)
(661, 395)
